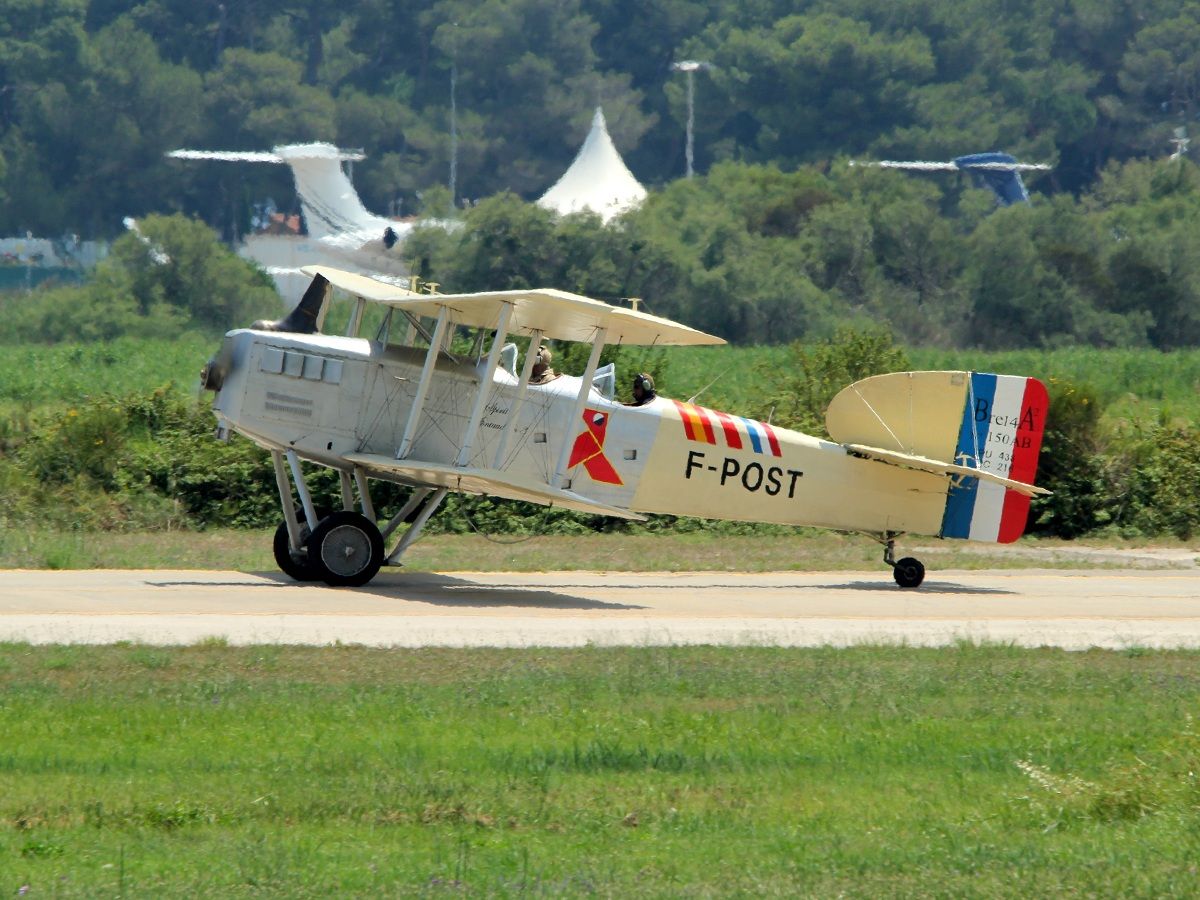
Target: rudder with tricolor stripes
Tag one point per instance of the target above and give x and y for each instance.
(1003, 419)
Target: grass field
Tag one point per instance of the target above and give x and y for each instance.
(33, 375)
(268, 771)
(806, 550)
(1130, 382)
(1142, 383)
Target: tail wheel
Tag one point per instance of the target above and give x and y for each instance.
(909, 572)
(297, 565)
(346, 549)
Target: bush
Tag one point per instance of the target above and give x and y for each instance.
(798, 392)
(1163, 486)
(1073, 465)
(175, 275)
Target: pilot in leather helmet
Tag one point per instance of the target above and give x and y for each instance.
(643, 389)
(541, 372)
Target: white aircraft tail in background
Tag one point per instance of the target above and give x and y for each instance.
(330, 203)
(341, 231)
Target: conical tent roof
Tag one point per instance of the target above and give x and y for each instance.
(598, 179)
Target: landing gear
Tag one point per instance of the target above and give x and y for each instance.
(908, 572)
(346, 549)
(292, 563)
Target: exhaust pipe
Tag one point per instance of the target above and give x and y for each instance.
(302, 319)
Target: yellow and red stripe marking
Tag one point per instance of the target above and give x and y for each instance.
(700, 424)
(696, 425)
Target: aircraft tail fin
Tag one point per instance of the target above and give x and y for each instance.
(997, 171)
(306, 317)
(1001, 431)
(973, 420)
(330, 202)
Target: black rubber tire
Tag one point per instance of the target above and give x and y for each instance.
(298, 567)
(909, 572)
(346, 548)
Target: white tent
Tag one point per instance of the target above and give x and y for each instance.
(598, 179)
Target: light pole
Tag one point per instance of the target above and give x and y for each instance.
(689, 67)
(454, 122)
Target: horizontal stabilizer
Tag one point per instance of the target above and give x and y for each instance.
(990, 426)
(492, 482)
(924, 464)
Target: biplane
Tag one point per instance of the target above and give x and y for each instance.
(948, 454)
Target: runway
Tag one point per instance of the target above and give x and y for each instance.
(1069, 609)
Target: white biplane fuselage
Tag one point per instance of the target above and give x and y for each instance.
(410, 412)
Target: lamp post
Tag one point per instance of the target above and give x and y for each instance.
(454, 122)
(689, 67)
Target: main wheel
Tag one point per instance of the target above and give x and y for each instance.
(297, 565)
(346, 549)
(909, 572)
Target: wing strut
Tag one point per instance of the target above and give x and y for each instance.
(535, 341)
(486, 384)
(585, 387)
(368, 508)
(418, 525)
(418, 407)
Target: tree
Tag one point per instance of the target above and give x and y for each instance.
(211, 285)
(256, 100)
(856, 83)
(796, 394)
(527, 67)
(108, 123)
(1161, 73)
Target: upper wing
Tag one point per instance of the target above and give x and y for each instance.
(557, 314)
(492, 482)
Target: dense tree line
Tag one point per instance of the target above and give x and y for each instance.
(93, 93)
(760, 256)
(751, 253)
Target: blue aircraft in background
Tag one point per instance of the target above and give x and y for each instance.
(998, 171)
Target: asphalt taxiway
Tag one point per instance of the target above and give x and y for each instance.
(1061, 608)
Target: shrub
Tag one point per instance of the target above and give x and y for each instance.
(798, 392)
(1073, 465)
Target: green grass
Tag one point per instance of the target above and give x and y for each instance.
(213, 770)
(805, 550)
(1144, 382)
(57, 375)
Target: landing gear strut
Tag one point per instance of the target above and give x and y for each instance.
(343, 548)
(292, 562)
(908, 572)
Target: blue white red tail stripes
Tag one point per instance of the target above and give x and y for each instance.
(1001, 432)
